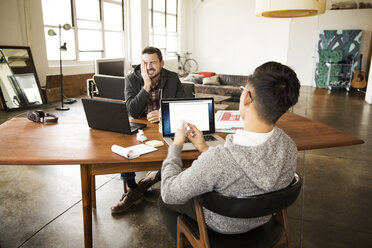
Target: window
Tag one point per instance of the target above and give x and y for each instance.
(163, 16)
(97, 28)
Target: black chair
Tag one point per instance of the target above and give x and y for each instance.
(110, 86)
(189, 88)
(92, 90)
(272, 234)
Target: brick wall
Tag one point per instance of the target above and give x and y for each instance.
(73, 85)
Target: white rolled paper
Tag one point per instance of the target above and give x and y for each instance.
(125, 152)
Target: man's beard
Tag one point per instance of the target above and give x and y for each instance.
(154, 75)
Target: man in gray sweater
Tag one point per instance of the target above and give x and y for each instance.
(259, 159)
(143, 90)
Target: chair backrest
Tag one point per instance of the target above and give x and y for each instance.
(110, 86)
(252, 206)
(189, 88)
(91, 88)
(110, 66)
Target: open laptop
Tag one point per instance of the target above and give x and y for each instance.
(109, 115)
(197, 111)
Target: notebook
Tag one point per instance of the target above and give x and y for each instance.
(197, 111)
(109, 115)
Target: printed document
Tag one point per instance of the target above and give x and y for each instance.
(228, 121)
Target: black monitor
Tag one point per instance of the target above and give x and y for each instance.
(111, 67)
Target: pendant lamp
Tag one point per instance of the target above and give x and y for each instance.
(289, 8)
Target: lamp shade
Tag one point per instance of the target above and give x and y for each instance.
(51, 32)
(289, 8)
(66, 26)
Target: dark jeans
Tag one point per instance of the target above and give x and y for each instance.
(171, 212)
(127, 176)
(131, 175)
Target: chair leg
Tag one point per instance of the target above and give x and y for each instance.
(281, 217)
(185, 235)
(203, 231)
(180, 236)
(286, 228)
(180, 240)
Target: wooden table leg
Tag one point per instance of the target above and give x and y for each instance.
(93, 186)
(85, 173)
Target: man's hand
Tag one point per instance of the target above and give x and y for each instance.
(145, 76)
(153, 117)
(197, 138)
(179, 136)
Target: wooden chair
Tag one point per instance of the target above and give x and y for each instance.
(272, 234)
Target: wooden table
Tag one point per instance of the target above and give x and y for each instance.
(71, 141)
(217, 98)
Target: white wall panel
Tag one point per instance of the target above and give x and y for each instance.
(230, 39)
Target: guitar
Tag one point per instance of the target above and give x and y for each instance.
(359, 79)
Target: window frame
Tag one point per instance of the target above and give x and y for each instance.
(151, 27)
(75, 29)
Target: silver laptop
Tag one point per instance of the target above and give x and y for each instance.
(109, 115)
(197, 111)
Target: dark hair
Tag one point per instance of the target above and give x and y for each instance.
(275, 89)
(152, 50)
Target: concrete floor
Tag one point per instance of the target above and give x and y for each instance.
(40, 206)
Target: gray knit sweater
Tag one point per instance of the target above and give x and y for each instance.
(231, 170)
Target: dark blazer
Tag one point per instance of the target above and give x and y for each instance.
(136, 97)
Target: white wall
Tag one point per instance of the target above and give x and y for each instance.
(171, 64)
(185, 25)
(302, 50)
(230, 39)
(301, 47)
(12, 28)
(36, 39)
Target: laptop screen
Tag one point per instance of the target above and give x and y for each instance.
(197, 111)
(108, 114)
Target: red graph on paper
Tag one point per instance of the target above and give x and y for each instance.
(228, 116)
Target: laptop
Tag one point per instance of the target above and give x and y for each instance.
(197, 111)
(109, 115)
(110, 87)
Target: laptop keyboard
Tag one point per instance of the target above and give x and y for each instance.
(207, 137)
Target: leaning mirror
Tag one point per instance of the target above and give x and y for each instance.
(19, 84)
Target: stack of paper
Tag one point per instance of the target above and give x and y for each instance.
(154, 143)
(228, 121)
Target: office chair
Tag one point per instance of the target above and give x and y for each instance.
(189, 88)
(92, 90)
(109, 86)
(272, 234)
